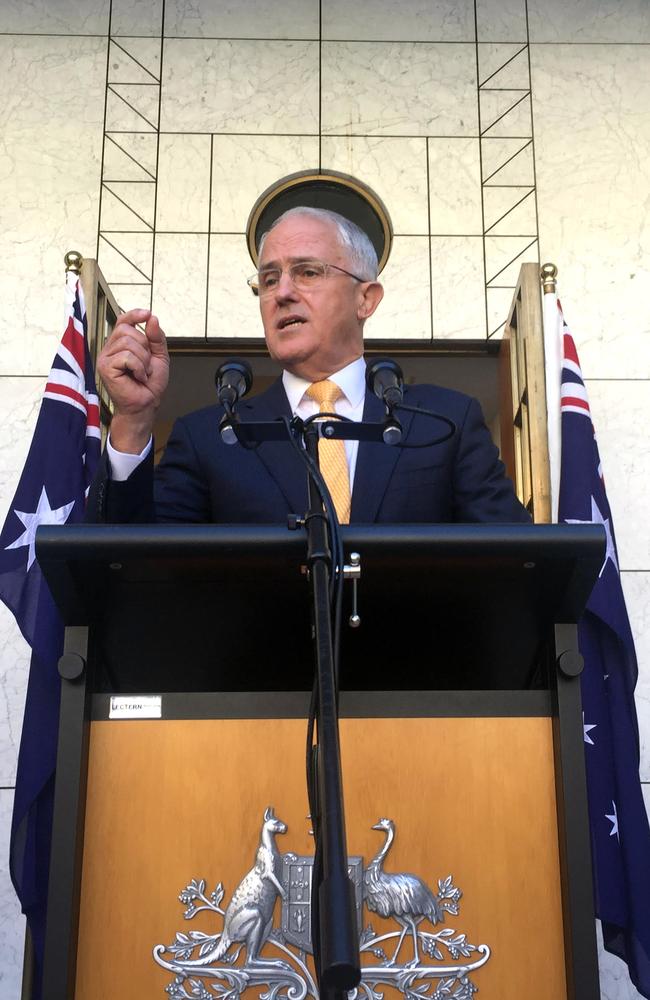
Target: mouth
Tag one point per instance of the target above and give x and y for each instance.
(290, 322)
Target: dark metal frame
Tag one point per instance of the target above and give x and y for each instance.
(64, 887)
(256, 347)
(580, 947)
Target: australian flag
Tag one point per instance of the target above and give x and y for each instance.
(62, 458)
(620, 837)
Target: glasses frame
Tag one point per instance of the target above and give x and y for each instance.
(253, 281)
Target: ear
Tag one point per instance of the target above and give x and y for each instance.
(269, 814)
(370, 296)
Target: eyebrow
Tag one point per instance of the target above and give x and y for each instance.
(292, 260)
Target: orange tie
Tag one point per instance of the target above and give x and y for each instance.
(331, 454)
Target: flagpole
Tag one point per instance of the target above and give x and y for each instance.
(553, 371)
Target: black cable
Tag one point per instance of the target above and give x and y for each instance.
(336, 592)
(428, 413)
(337, 578)
(334, 528)
(336, 608)
(338, 562)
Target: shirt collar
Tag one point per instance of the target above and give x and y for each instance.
(351, 380)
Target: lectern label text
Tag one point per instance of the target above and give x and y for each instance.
(147, 706)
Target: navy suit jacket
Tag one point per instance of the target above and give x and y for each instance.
(201, 479)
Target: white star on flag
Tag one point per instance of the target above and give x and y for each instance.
(587, 728)
(597, 518)
(614, 821)
(42, 515)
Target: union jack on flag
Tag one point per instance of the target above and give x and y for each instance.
(52, 489)
(620, 837)
(71, 378)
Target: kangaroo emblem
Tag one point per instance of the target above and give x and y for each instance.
(249, 914)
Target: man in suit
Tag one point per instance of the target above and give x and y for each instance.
(317, 286)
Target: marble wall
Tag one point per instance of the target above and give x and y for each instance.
(496, 132)
(228, 100)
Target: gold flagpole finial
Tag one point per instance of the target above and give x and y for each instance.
(73, 261)
(548, 274)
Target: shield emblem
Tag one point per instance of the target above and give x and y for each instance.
(296, 906)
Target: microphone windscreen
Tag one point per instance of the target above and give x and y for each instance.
(235, 372)
(382, 373)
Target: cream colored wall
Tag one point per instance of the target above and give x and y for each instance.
(479, 144)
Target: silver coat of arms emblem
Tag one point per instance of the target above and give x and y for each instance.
(424, 958)
(296, 902)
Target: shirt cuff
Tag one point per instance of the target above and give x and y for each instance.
(122, 464)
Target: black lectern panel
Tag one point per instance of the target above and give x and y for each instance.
(433, 614)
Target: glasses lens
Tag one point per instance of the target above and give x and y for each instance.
(267, 280)
(307, 273)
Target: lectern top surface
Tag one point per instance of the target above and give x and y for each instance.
(211, 607)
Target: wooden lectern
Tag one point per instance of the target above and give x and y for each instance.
(181, 847)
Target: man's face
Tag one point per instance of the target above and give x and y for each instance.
(316, 332)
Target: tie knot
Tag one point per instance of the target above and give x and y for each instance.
(325, 393)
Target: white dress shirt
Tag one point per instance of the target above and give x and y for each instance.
(122, 463)
(351, 380)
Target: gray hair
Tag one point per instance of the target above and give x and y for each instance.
(362, 254)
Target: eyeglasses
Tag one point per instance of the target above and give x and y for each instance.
(305, 274)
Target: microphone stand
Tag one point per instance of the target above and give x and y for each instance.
(335, 938)
(335, 924)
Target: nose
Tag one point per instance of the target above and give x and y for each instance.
(285, 288)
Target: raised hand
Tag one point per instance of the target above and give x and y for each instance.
(134, 368)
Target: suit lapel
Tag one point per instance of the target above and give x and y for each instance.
(375, 464)
(278, 457)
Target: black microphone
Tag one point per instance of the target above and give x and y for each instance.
(384, 377)
(233, 379)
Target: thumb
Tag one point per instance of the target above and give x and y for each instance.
(155, 337)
